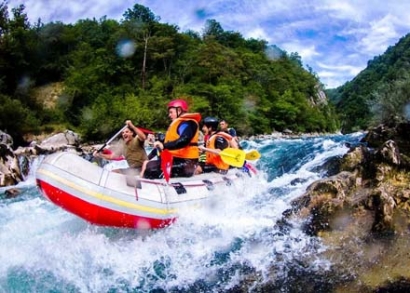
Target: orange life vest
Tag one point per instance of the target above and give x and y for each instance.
(191, 151)
(215, 159)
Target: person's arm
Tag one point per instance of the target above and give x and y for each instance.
(153, 154)
(141, 135)
(234, 143)
(187, 131)
(107, 154)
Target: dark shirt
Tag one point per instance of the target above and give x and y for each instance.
(231, 132)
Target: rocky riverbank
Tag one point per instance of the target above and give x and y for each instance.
(362, 215)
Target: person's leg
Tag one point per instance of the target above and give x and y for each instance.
(190, 167)
(143, 167)
(153, 170)
(130, 171)
(210, 168)
(183, 167)
(130, 174)
(199, 168)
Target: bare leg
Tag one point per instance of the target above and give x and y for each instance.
(143, 167)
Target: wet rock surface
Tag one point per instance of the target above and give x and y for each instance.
(14, 164)
(362, 214)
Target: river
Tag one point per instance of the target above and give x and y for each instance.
(45, 249)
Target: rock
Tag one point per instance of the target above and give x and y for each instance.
(67, 137)
(14, 165)
(10, 173)
(362, 214)
(389, 152)
(12, 193)
(6, 139)
(399, 133)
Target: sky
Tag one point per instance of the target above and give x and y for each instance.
(335, 38)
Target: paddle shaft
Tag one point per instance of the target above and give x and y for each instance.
(233, 157)
(112, 138)
(211, 150)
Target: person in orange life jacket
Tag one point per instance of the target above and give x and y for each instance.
(133, 150)
(181, 140)
(218, 140)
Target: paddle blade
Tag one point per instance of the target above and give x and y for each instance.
(252, 155)
(166, 164)
(146, 131)
(233, 157)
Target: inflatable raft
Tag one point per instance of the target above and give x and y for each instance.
(106, 198)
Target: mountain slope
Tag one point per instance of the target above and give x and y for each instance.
(353, 99)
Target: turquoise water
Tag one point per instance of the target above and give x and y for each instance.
(45, 249)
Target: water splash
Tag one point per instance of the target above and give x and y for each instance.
(209, 249)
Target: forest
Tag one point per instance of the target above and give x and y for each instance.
(380, 94)
(130, 69)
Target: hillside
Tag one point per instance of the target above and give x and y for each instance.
(377, 94)
(117, 70)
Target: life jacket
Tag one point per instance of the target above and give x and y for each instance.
(191, 151)
(215, 159)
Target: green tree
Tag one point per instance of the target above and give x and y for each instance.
(140, 20)
(391, 102)
(16, 118)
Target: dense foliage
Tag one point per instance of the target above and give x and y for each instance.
(129, 69)
(378, 94)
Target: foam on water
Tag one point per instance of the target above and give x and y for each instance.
(43, 248)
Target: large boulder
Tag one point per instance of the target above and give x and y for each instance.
(362, 214)
(67, 137)
(63, 141)
(10, 173)
(399, 132)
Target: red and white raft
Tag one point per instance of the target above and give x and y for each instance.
(107, 198)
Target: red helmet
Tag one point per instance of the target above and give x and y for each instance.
(179, 103)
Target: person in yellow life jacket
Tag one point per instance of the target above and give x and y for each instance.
(218, 140)
(181, 140)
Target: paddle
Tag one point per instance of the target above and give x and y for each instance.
(146, 131)
(166, 164)
(111, 139)
(233, 157)
(252, 155)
